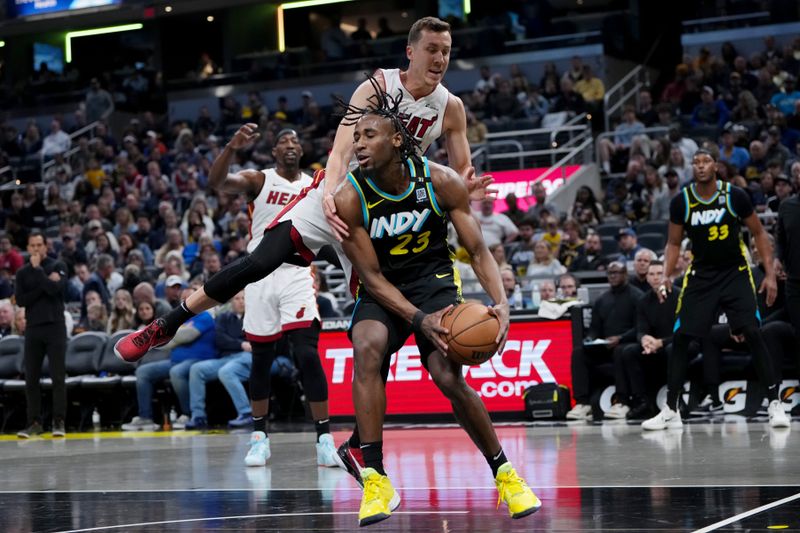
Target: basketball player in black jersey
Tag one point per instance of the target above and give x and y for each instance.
(712, 212)
(396, 206)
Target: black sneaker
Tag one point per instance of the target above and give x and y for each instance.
(348, 459)
(708, 406)
(641, 411)
(58, 428)
(31, 431)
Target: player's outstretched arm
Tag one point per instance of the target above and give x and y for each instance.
(459, 155)
(770, 283)
(358, 248)
(247, 182)
(452, 191)
(340, 156)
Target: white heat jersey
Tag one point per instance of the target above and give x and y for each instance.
(423, 117)
(274, 195)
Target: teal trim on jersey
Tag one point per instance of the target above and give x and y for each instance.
(434, 203)
(427, 168)
(411, 168)
(705, 202)
(388, 196)
(355, 308)
(357, 187)
(686, 202)
(728, 200)
(677, 325)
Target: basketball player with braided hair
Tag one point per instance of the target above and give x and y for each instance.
(396, 205)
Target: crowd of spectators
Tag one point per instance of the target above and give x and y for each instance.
(131, 215)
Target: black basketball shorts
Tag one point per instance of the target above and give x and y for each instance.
(429, 294)
(707, 292)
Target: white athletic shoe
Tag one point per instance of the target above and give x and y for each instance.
(581, 411)
(666, 419)
(777, 416)
(326, 451)
(180, 422)
(617, 411)
(140, 424)
(259, 452)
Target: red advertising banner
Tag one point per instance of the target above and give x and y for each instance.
(536, 352)
(519, 182)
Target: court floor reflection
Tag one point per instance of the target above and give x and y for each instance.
(606, 477)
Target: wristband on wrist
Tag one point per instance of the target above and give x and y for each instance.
(416, 322)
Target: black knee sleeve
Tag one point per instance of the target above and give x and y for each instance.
(275, 248)
(761, 358)
(304, 343)
(263, 357)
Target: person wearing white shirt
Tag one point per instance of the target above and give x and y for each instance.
(497, 228)
(57, 141)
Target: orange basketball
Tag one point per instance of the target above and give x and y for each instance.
(472, 331)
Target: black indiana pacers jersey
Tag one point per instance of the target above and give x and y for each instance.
(714, 226)
(409, 230)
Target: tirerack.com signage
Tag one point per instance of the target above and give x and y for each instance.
(536, 352)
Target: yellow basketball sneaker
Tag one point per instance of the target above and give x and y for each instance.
(515, 492)
(377, 498)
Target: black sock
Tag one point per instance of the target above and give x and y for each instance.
(496, 461)
(355, 440)
(177, 317)
(260, 424)
(373, 455)
(772, 393)
(322, 426)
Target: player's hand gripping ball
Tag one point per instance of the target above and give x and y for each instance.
(472, 333)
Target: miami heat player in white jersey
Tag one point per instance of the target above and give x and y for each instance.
(285, 299)
(422, 117)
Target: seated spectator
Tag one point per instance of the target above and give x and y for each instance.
(496, 227)
(613, 321)
(544, 264)
(674, 91)
(540, 197)
(503, 103)
(728, 151)
(673, 182)
(645, 112)
(568, 99)
(591, 88)
(193, 342)
(552, 234)
(547, 291)
(122, 314)
(510, 283)
(655, 193)
(513, 211)
(571, 243)
(57, 141)
(628, 245)
(476, 130)
(591, 258)
(758, 161)
(231, 346)
(498, 252)
(641, 263)
(96, 319)
(568, 286)
(535, 104)
(19, 321)
(624, 134)
(520, 252)
(586, 209)
(10, 258)
(174, 243)
(145, 313)
(173, 288)
(776, 151)
(654, 324)
(783, 189)
(687, 146)
(6, 318)
(709, 112)
(785, 99)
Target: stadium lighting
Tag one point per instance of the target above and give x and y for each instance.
(2, 44)
(467, 7)
(297, 5)
(96, 31)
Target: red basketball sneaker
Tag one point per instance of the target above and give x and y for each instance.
(351, 460)
(133, 346)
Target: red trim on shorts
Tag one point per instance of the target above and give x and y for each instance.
(297, 325)
(319, 175)
(300, 246)
(251, 207)
(262, 338)
(354, 281)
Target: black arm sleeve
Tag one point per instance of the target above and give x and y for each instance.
(677, 209)
(740, 201)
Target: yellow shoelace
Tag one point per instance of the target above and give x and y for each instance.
(509, 479)
(372, 489)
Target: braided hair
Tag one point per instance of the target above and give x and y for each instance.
(386, 106)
